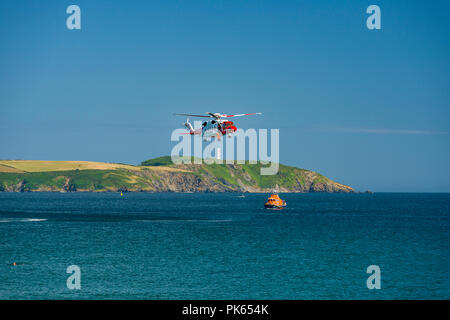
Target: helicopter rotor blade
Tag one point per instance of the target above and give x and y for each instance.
(239, 115)
(191, 115)
(216, 115)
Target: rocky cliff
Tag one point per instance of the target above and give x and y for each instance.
(158, 175)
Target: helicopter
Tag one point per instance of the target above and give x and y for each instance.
(216, 127)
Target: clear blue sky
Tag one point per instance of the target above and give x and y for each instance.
(366, 108)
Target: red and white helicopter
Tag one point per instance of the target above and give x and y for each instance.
(213, 128)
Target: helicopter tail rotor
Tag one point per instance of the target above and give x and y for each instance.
(188, 125)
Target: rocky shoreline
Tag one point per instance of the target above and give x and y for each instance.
(172, 178)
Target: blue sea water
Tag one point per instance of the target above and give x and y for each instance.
(222, 246)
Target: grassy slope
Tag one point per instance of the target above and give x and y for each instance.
(287, 176)
(98, 176)
(99, 180)
(41, 166)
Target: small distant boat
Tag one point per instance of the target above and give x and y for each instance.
(275, 202)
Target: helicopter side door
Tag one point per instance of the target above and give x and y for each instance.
(210, 129)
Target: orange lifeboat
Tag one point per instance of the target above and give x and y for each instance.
(275, 202)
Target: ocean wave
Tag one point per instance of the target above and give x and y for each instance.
(21, 220)
(183, 220)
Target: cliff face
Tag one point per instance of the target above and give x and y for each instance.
(242, 178)
(163, 176)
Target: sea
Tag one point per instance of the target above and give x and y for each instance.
(224, 246)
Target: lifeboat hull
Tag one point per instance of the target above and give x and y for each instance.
(272, 206)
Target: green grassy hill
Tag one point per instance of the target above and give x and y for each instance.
(157, 175)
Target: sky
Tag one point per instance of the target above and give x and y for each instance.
(367, 108)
